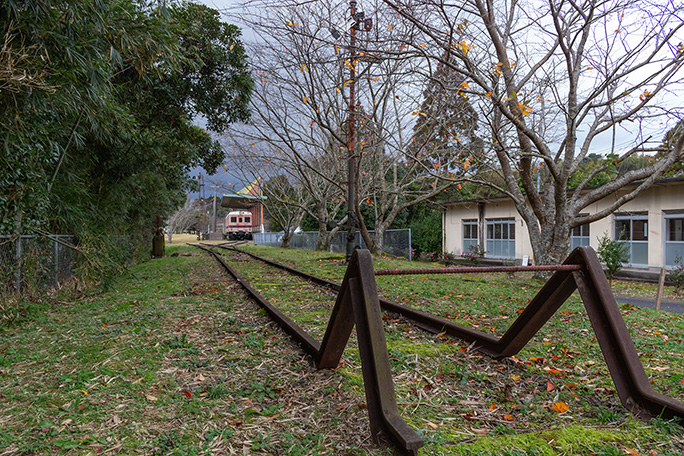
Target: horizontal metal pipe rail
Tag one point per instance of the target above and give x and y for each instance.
(475, 269)
(581, 271)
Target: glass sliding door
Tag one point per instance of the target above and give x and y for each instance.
(469, 234)
(633, 230)
(501, 238)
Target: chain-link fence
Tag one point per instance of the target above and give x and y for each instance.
(34, 263)
(395, 242)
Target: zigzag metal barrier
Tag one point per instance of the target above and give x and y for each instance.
(357, 303)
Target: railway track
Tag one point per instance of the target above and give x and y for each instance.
(357, 304)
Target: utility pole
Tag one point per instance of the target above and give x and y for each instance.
(351, 139)
(200, 216)
(214, 223)
(358, 23)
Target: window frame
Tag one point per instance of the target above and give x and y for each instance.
(672, 248)
(500, 237)
(633, 244)
(468, 241)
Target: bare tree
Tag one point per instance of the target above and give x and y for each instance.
(553, 80)
(183, 219)
(301, 109)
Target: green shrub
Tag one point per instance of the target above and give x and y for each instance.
(613, 253)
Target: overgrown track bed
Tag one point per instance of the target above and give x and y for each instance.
(454, 396)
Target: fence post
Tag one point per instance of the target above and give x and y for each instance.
(17, 273)
(56, 260)
(410, 249)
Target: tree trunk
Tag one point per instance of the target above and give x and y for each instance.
(285, 242)
(322, 241)
(158, 247)
(379, 237)
(551, 244)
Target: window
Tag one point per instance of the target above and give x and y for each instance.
(240, 219)
(579, 236)
(469, 234)
(233, 220)
(674, 238)
(633, 229)
(501, 238)
(248, 219)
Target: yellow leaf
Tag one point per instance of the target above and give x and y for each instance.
(515, 378)
(560, 407)
(389, 27)
(306, 99)
(524, 110)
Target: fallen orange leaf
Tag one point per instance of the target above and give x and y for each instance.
(549, 386)
(560, 407)
(508, 417)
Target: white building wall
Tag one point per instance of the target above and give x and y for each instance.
(657, 201)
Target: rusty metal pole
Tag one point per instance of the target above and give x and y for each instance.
(351, 139)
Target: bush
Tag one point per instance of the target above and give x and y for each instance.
(475, 253)
(613, 253)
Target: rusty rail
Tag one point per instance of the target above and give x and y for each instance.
(358, 303)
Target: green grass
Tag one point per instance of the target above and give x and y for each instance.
(173, 360)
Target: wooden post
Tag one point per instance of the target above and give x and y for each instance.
(661, 285)
(17, 263)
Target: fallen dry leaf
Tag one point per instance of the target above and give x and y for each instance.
(560, 407)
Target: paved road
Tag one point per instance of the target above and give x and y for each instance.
(670, 306)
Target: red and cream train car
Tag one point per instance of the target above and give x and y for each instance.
(239, 225)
